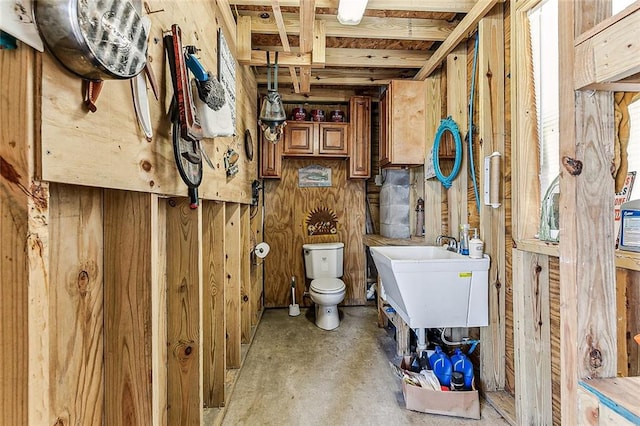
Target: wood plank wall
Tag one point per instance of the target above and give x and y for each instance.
(287, 207)
(96, 283)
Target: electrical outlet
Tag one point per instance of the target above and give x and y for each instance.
(378, 180)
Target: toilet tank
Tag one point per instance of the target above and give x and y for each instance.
(323, 260)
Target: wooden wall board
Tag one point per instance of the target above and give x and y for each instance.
(107, 149)
(554, 323)
(246, 296)
(213, 303)
(457, 101)
(127, 307)
(233, 254)
(184, 396)
(491, 122)
(76, 304)
(159, 354)
(532, 338)
(287, 208)
(587, 269)
(525, 161)
(432, 187)
(19, 313)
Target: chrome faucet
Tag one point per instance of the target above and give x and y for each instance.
(452, 243)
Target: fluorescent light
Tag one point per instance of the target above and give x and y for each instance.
(350, 11)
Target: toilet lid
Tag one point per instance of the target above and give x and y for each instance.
(327, 285)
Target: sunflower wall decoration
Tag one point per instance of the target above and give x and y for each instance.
(322, 221)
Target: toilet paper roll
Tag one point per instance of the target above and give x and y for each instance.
(262, 250)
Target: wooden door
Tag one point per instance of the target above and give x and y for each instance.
(299, 138)
(360, 137)
(333, 139)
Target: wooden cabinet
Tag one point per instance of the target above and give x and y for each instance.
(360, 137)
(305, 138)
(270, 158)
(402, 124)
(350, 140)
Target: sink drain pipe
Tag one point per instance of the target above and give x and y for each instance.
(421, 333)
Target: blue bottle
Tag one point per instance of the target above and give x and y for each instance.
(461, 363)
(441, 366)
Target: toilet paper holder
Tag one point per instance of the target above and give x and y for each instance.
(260, 251)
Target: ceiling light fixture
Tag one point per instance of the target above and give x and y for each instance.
(272, 116)
(350, 12)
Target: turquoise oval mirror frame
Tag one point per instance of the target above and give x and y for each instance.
(447, 125)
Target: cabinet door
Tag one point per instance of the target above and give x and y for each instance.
(407, 111)
(333, 139)
(270, 158)
(360, 137)
(298, 138)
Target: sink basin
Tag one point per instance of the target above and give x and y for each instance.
(432, 287)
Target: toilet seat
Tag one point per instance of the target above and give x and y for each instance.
(327, 285)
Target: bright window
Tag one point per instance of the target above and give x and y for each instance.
(543, 24)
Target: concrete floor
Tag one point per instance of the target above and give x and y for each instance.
(298, 374)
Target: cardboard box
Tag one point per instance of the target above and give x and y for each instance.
(461, 404)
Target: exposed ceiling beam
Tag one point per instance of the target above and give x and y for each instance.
(286, 59)
(348, 58)
(446, 6)
(369, 27)
(307, 15)
(307, 18)
(243, 39)
(277, 14)
(319, 50)
(461, 31)
(345, 77)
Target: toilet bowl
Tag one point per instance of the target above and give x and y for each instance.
(323, 265)
(326, 293)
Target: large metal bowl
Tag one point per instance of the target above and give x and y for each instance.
(96, 40)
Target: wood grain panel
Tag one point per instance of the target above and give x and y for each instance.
(532, 338)
(184, 397)
(433, 188)
(213, 303)
(18, 313)
(127, 307)
(287, 208)
(77, 338)
(107, 149)
(554, 325)
(457, 101)
(490, 108)
(246, 297)
(232, 247)
(159, 309)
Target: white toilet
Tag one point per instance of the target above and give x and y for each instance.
(323, 265)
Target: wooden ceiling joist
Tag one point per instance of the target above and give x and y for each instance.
(344, 77)
(277, 15)
(461, 31)
(318, 53)
(376, 28)
(243, 39)
(445, 6)
(307, 19)
(348, 58)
